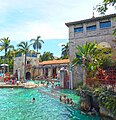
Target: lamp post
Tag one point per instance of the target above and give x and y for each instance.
(84, 71)
(4, 68)
(70, 79)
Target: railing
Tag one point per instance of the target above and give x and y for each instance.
(104, 77)
(101, 82)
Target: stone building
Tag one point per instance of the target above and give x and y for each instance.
(32, 62)
(34, 68)
(50, 69)
(98, 29)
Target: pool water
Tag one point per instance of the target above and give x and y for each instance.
(71, 94)
(67, 92)
(16, 104)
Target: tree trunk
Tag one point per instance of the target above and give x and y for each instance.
(25, 68)
(84, 76)
(37, 50)
(5, 61)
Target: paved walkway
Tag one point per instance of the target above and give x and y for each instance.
(4, 85)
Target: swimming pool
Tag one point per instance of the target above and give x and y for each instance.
(16, 105)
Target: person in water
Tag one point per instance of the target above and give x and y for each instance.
(60, 98)
(11, 88)
(70, 101)
(65, 99)
(33, 100)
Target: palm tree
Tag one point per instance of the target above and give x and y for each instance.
(5, 45)
(24, 48)
(86, 56)
(37, 43)
(11, 55)
(65, 51)
(46, 56)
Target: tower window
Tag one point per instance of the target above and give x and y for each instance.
(93, 27)
(105, 24)
(79, 29)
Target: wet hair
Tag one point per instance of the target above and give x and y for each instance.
(33, 98)
(68, 100)
(64, 96)
(60, 98)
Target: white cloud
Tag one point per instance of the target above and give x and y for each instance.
(42, 17)
(47, 31)
(31, 30)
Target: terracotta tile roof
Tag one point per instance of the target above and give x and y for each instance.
(64, 61)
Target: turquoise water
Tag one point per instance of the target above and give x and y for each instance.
(16, 104)
(71, 94)
(67, 92)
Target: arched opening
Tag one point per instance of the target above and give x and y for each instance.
(46, 69)
(28, 75)
(54, 72)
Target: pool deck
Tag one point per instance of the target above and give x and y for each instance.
(11, 86)
(4, 85)
(47, 79)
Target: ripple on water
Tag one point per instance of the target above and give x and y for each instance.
(16, 105)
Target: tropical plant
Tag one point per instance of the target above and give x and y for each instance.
(106, 99)
(86, 56)
(37, 43)
(33, 52)
(65, 51)
(24, 48)
(103, 7)
(106, 56)
(46, 56)
(5, 45)
(11, 55)
(1, 59)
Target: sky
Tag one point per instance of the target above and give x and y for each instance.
(23, 20)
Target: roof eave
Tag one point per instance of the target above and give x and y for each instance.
(89, 20)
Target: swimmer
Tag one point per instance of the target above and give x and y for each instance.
(70, 101)
(60, 98)
(65, 99)
(11, 88)
(33, 100)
